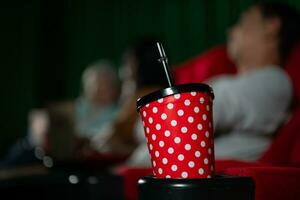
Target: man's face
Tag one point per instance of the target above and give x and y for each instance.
(100, 89)
(247, 34)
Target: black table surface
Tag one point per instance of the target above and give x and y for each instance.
(37, 183)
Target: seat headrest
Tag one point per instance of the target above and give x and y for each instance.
(292, 67)
(211, 63)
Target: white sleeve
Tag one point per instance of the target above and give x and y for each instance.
(257, 102)
(227, 105)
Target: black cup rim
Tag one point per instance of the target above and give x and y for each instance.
(200, 87)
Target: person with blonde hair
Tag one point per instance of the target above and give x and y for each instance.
(98, 104)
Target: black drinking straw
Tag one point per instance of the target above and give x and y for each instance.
(164, 60)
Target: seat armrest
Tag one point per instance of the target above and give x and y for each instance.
(271, 182)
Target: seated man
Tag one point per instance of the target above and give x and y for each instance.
(250, 107)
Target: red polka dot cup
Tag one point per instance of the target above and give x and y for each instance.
(178, 126)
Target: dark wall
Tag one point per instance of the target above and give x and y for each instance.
(19, 41)
(46, 44)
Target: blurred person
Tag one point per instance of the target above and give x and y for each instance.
(63, 129)
(97, 106)
(251, 106)
(141, 74)
(31, 148)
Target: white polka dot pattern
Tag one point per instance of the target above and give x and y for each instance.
(150, 120)
(179, 134)
(160, 171)
(187, 147)
(154, 137)
(165, 160)
(180, 157)
(167, 133)
(174, 168)
(173, 122)
(184, 129)
(187, 102)
(191, 164)
(163, 116)
(194, 136)
(154, 164)
(158, 127)
(170, 150)
(177, 140)
(160, 100)
(180, 112)
(161, 143)
(170, 106)
(201, 171)
(184, 175)
(177, 96)
(191, 119)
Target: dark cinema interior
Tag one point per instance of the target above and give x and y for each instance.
(138, 100)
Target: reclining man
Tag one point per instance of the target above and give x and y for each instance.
(250, 106)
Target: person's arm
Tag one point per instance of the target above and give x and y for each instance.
(256, 102)
(227, 105)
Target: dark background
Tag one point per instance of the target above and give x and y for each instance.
(46, 44)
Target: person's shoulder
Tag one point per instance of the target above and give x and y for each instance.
(268, 71)
(269, 76)
(221, 79)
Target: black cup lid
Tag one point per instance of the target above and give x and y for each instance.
(200, 87)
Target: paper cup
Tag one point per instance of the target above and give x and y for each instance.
(178, 127)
